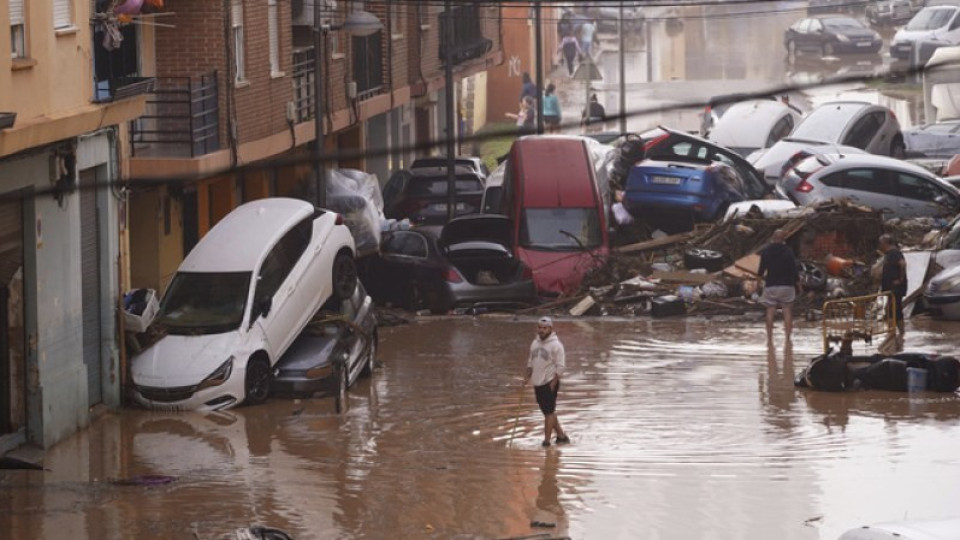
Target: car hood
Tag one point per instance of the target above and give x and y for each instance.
(177, 360)
(946, 282)
(915, 35)
(483, 227)
(308, 352)
(560, 272)
(856, 33)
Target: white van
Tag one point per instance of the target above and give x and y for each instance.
(937, 23)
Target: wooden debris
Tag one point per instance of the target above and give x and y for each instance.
(583, 306)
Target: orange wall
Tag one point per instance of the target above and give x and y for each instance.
(504, 81)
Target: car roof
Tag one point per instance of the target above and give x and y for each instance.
(238, 241)
(873, 160)
(828, 117)
(748, 123)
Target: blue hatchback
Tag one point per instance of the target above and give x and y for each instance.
(674, 195)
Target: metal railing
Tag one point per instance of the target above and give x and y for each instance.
(303, 84)
(182, 118)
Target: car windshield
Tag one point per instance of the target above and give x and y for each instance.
(438, 186)
(827, 122)
(841, 23)
(560, 229)
(204, 302)
(930, 19)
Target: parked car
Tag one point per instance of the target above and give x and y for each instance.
(898, 188)
(748, 126)
(422, 195)
(237, 302)
(873, 128)
(888, 12)
(942, 529)
(333, 351)
(942, 295)
(675, 195)
(665, 144)
(470, 264)
(828, 35)
(938, 23)
(813, 70)
(815, 7)
(435, 162)
(552, 195)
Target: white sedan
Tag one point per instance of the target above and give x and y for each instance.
(238, 301)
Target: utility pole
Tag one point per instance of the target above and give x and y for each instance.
(451, 107)
(538, 62)
(623, 75)
(319, 167)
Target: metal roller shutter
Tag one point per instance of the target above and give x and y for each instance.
(62, 14)
(90, 283)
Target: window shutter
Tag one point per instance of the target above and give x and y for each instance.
(62, 16)
(274, 38)
(236, 13)
(16, 12)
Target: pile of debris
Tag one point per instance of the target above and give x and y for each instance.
(712, 270)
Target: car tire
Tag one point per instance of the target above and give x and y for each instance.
(370, 364)
(344, 276)
(256, 382)
(413, 297)
(812, 278)
(343, 385)
(708, 259)
(827, 49)
(898, 150)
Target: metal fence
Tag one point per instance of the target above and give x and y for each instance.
(182, 118)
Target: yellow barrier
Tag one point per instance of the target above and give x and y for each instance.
(860, 317)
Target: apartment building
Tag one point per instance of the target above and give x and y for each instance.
(70, 81)
(232, 116)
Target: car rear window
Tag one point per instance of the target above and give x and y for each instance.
(438, 186)
(560, 229)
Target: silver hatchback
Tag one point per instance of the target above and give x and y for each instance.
(897, 188)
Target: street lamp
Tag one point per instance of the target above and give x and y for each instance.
(359, 24)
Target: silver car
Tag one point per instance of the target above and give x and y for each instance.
(872, 128)
(897, 188)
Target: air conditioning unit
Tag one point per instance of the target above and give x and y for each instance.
(302, 11)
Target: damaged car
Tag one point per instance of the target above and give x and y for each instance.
(469, 264)
(238, 301)
(337, 347)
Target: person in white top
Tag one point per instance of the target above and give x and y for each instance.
(544, 369)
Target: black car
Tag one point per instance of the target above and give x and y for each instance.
(333, 351)
(829, 35)
(422, 195)
(470, 263)
(888, 12)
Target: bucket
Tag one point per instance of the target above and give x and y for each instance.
(916, 379)
(837, 266)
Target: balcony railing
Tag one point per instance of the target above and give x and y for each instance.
(182, 119)
(303, 84)
(116, 69)
(468, 40)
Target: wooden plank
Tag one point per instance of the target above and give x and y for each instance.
(744, 267)
(583, 306)
(655, 243)
(683, 278)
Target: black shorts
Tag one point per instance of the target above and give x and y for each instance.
(551, 120)
(546, 398)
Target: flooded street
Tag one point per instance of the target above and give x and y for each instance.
(680, 429)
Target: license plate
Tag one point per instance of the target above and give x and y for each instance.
(665, 180)
(442, 207)
(864, 44)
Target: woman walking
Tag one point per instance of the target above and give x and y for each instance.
(551, 109)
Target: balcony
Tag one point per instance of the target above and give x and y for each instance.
(182, 119)
(468, 40)
(303, 84)
(116, 65)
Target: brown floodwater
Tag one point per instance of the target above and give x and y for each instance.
(680, 428)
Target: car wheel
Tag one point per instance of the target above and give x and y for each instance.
(828, 49)
(343, 384)
(371, 355)
(708, 259)
(256, 384)
(344, 276)
(898, 150)
(811, 277)
(413, 298)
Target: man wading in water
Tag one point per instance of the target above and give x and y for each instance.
(544, 369)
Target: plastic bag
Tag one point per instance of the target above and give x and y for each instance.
(356, 196)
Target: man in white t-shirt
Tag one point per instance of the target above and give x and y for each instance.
(544, 369)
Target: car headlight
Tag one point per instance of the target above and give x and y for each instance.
(842, 38)
(219, 375)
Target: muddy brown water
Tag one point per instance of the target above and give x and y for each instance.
(680, 428)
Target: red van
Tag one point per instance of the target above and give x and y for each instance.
(550, 192)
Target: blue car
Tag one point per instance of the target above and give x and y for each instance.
(674, 195)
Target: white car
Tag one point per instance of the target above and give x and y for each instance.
(942, 529)
(897, 188)
(871, 128)
(238, 301)
(942, 294)
(748, 126)
(940, 23)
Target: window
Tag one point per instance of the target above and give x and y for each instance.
(273, 28)
(916, 188)
(282, 258)
(409, 244)
(869, 181)
(396, 19)
(236, 24)
(368, 63)
(781, 129)
(560, 229)
(18, 30)
(864, 130)
(62, 14)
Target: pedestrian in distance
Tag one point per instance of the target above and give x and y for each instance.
(781, 282)
(587, 34)
(551, 109)
(528, 89)
(893, 278)
(545, 367)
(526, 117)
(570, 48)
(594, 115)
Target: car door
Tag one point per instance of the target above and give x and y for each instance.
(403, 262)
(869, 187)
(865, 134)
(813, 36)
(919, 196)
(277, 288)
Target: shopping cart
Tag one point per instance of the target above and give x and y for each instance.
(859, 318)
